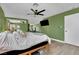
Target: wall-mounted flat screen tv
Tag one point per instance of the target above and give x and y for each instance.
(44, 22)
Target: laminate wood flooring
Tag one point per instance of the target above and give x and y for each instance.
(57, 48)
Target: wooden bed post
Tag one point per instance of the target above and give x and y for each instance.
(46, 49)
(30, 53)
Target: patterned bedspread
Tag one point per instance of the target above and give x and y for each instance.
(14, 41)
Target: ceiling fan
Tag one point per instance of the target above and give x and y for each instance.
(35, 11)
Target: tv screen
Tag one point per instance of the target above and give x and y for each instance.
(44, 22)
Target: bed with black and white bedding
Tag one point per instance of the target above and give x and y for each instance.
(14, 43)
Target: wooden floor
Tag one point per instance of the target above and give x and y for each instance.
(57, 48)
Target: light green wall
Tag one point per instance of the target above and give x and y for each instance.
(56, 25)
(3, 21)
(23, 26)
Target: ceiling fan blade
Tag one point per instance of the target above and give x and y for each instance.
(32, 10)
(41, 14)
(41, 11)
(35, 11)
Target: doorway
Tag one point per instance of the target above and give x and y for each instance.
(72, 29)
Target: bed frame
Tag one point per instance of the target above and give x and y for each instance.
(45, 47)
(41, 46)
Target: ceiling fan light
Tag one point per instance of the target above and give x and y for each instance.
(35, 4)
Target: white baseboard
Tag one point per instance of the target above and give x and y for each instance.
(57, 40)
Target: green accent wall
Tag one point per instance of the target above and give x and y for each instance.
(23, 25)
(3, 21)
(56, 25)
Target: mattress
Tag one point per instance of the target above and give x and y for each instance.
(16, 52)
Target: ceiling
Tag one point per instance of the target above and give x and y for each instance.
(20, 10)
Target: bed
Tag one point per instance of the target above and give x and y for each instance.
(35, 42)
(28, 51)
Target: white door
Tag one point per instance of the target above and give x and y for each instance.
(72, 29)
